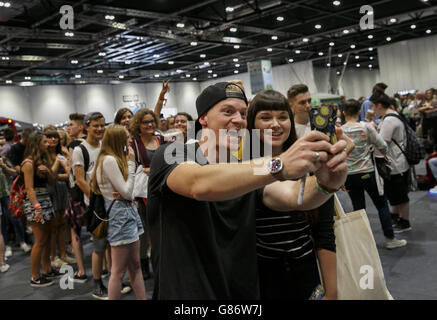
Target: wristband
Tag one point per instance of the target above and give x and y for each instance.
(323, 189)
(36, 206)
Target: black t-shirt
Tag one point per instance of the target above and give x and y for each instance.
(16, 154)
(200, 249)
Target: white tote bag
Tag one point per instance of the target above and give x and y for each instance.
(140, 184)
(359, 272)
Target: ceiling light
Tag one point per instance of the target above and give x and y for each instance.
(233, 29)
(188, 75)
(171, 62)
(109, 17)
(27, 78)
(370, 66)
(340, 55)
(78, 76)
(305, 39)
(99, 71)
(194, 43)
(209, 71)
(371, 58)
(102, 54)
(5, 58)
(290, 60)
(229, 9)
(121, 76)
(236, 46)
(370, 49)
(393, 20)
(345, 31)
(128, 62)
(357, 57)
(207, 64)
(336, 3)
(269, 49)
(297, 51)
(358, 65)
(338, 73)
(318, 26)
(156, 75)
(280, 18)
(156, 55)
(69, 34)
(235, 71)
(140, 38)
(179, 71)
(353, 46)
(428, 31)
(180, 25)
(413, 26)
(194, 79)
(328, 65)
(345, 63)
(8, 81)
(274, 37)
(320, 53)
(203, 55)
(235, 60)
(331, 44)
(370, 36)
(215, 75)
(388, 39)
(74, 62)
(237, 65)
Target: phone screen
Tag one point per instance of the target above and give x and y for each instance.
(323, 119)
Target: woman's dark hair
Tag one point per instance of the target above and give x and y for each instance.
(187, 115)
(352, 107)
(273, 101)
(34, 152)
(120, 114)
(381, 98)
(54, 133)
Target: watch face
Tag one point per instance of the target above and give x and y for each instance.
(275, 165)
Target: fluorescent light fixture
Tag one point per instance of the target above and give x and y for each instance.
(235, 71)
(332, 44)
(78, 76)
(345, 31)
(291, 60)
(340, 55)
(179, 71)
(128, 62)
(194, 79)
(357, 57)
(237, 65)
(370, 49)
(318, 26)
(274, 37)
(229, 9)
(171, 62)
(336, 3)
(233, 29)
(188, 75)
(328, 65)
(413, 26)
(235, 60)
(215, 75)
(27, 78)
(393, 20)
(320, 53)
(102, 54)
(69, 34)
(236, 46)
(388, 39)
(353, 46)
(156, 55)
(358, 65)
(209, 71)
(371, 58)
(370, 36)
(428, 31)
(74, 62)
(297, 51)
(370, 66)
(100, 71)
(156, 75)
(8, 81)
(280, 18)
(180, 25)
(203, 55)
(109, 17)
(193, 43)
(305, 39)
(269, 49)
(121, 76)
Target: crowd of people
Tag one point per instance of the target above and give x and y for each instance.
(210, 227)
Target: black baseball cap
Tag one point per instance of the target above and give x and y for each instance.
(213, 95)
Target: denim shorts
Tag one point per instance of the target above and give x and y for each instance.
(124, 226)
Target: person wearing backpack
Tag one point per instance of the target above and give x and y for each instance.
(114, 174)
(38, 207)
(393, 131)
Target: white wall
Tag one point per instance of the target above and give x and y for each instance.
(409, 64)
(14, 103)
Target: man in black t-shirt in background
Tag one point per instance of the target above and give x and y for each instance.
(202, 212)
(16, 153)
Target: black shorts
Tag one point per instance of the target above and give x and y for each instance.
(396, 189)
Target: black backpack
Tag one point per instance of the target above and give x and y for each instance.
(414, 151)
(76, 193)
(96, 216)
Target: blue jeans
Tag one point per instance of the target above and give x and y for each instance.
(16, 223)
(356, 184)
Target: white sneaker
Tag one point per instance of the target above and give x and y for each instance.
(395, 243)
(433, 190)
(8, 252)
(4, 267)
(26, 248)
(57, 262)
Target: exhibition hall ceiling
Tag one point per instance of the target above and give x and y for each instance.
(185, 40)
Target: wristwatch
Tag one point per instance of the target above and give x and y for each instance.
(275, 168)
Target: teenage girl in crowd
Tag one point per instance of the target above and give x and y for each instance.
(123, 117)
(59, 194)
(38, 207)
(144, 143)
(115, 173)
(361, 171)
(181, 123)
(288, 242)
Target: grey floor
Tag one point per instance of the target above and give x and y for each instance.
(410, 272)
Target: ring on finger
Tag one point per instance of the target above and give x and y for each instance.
(317, 156)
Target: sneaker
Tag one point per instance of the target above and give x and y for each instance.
(58, 263)
(69, 260)
(79, 279)
(125, 288)
(100, 292)
(402, 226)
(25, 247)
(104, 274)
(395, 243)
(41, 282)
(5, 267)
(433, 190)
(8, 252)
(52, 274)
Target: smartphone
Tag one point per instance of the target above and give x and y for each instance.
(323, 119)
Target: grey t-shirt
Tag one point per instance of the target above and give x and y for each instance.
(391, 128)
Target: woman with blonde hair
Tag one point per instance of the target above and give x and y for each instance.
(114, 175)
(144, 143)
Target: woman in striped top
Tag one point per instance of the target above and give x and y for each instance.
(286, 241)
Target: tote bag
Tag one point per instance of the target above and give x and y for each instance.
(359, 272)
(141, 178)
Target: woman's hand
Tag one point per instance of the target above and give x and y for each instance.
(146, 171)
(165, 88)
(116, 195)
(38, 216)
(131, 154)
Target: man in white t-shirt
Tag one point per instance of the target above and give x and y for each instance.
(95, 127)
(299, 99)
